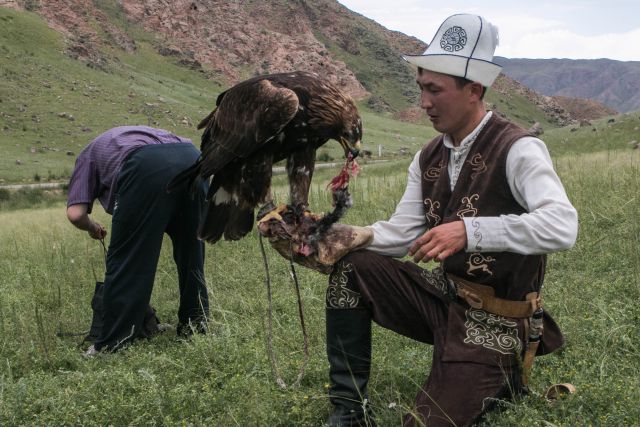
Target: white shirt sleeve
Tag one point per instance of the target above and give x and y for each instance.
(551, 222)
(395, 236)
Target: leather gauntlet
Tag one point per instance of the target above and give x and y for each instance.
(320, 254)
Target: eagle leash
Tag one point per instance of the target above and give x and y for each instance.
(63, 334)
(272, 357)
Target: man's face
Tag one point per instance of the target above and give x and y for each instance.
(447, 106)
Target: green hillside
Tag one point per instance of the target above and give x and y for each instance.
(51, 105)
(518, 109)
(621, 132)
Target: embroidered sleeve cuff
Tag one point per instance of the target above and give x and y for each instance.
(484, 234)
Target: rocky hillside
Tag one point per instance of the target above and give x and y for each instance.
(583, 109)
(509, 88)
(615, 84)
(230, 41)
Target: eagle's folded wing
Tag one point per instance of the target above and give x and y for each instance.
(247, 117)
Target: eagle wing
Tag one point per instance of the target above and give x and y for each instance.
(247, 117)
(235, 151)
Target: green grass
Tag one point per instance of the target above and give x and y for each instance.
(224, 378)
(48, 268)
(26, 198)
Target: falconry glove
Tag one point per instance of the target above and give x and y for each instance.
(320, 254)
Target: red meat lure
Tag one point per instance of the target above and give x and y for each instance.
(341, 181)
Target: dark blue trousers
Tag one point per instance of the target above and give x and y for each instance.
(144, 211)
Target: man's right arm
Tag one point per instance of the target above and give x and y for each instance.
(78, 215)
(394, 236)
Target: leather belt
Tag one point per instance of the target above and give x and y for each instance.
(482, 297)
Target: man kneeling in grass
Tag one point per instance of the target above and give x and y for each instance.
(482, 199)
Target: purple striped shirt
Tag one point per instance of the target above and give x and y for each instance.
(97, 167)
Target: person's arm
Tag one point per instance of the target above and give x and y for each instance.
(78, 215)
(394, 236)
(551, 222)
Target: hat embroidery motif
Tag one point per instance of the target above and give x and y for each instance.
(454, 39)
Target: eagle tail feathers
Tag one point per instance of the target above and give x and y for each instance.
(214, 221)
(240, 223)
(224, 217)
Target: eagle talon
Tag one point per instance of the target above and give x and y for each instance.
(268, 207)
(275, 213)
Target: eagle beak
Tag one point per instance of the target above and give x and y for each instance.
(350, 151)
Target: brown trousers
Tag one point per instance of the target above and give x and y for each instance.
(397, 297)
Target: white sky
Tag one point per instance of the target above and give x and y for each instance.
(575, 29)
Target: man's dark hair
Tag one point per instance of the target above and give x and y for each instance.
(461, 82)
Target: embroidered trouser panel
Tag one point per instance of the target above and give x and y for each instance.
(397, 297)
(144, 213)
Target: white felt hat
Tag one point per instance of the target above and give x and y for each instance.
(464, 47)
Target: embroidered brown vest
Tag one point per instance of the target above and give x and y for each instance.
(482, 189)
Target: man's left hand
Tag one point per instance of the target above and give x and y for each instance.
(440, 242)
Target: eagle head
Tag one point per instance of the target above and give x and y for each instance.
(350, 137)
(349, 129)
(336, 113)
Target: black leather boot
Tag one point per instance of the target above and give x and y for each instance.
(349, 354)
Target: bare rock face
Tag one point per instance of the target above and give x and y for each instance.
(236, 39)
(584, 109)
(226, 36)
(411, 115)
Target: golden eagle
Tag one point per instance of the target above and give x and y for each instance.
(260, 121)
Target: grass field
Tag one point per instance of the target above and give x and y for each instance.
(51, 105)
(224, 378)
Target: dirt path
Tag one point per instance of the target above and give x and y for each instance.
(37, 185)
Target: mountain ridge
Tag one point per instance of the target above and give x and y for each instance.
(615, 84)
(231, 41)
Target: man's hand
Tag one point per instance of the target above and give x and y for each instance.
(440, 242)
(97, 231)
(79, 217)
